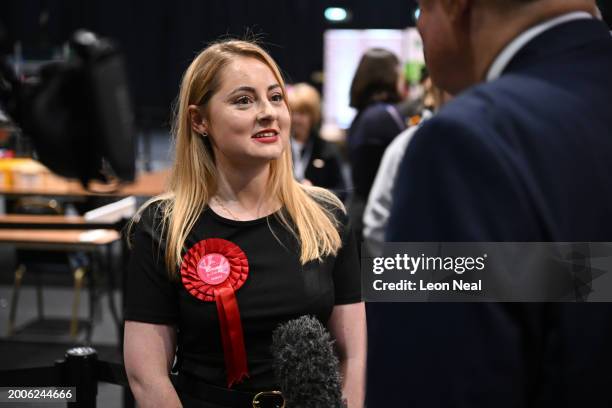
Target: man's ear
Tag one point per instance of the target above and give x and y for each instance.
(198, 122)
(457, 10)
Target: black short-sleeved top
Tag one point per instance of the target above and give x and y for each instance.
(278, 289)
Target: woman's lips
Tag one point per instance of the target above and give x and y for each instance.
(266, 136)
(266, 139)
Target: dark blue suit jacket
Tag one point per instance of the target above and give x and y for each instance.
(527, 157)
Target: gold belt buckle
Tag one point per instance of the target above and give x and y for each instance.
(275, 397)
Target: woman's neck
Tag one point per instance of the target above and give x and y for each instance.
(242, 194)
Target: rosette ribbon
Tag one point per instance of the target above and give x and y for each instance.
(212, 271)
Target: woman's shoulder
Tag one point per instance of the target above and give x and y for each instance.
(151, 216)
(376, 111)
(152, 210)
(325, 148)
(329, 202)
(375, 122)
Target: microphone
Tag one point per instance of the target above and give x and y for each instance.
(305, 365)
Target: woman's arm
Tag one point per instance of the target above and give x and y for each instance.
(148, 352)
(347, 325)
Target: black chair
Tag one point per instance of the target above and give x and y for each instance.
(38, 261)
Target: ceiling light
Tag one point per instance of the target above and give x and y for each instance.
(336, 14)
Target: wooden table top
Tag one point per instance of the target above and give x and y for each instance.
(41, 219)
(145, 185)
(57, 222)
(59, 237)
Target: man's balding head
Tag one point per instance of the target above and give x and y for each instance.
(461, 38)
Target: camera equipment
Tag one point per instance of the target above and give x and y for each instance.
(77, 112)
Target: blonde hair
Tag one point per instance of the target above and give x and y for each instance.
(305, 98)
(308, 212)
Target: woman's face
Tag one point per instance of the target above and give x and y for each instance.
(301, 123)
(248, 119)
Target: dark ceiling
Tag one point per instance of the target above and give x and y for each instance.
(159, 38)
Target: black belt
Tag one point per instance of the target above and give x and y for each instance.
(225, 396)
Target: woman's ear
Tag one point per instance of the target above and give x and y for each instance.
(198, 123)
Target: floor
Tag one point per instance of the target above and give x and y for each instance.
(16, 353)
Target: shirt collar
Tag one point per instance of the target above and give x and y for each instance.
(503, 58)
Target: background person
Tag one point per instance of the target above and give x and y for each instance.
(380, 200)
(524, 153)
(236, 246)
(315, 161)
(377, 86)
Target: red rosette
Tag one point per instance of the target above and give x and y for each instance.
(212, 270)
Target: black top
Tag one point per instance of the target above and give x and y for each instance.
(372, 130)
(278, 289)
(324, 168)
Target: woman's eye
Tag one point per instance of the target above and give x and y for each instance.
(277, 98)
(243, 100)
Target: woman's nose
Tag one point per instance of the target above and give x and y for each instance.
(267, 111)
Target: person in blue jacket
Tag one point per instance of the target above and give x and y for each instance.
(523, 153)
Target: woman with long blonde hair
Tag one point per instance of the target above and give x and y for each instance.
(235, 247)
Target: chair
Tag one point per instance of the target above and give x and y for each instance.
(77, 262)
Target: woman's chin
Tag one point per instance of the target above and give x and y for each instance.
(265, 156)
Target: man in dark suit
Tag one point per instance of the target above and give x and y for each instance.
(524, 153)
